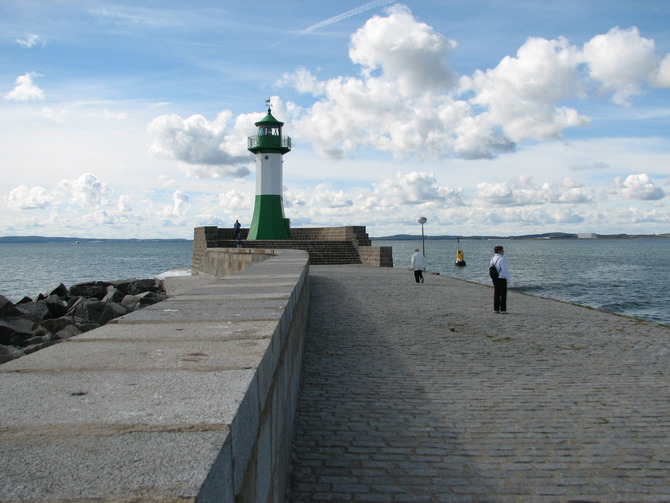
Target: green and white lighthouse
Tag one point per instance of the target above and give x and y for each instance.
(269, 146)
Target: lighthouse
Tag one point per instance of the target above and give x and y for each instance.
(269, 146)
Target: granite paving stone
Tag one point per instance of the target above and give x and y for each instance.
(420, 393)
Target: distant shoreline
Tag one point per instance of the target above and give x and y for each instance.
(396, 237)
(552, 235)
(48, 239)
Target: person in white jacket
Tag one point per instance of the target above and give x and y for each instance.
(418, 265)
(500, 283)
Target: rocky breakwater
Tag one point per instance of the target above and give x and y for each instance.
(30, 325)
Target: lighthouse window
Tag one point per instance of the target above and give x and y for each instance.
(268, 131)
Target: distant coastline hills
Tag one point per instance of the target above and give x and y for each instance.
(396, 237)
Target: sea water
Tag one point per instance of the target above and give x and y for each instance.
(624, 276)
(28, 269)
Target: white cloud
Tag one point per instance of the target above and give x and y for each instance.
(303, 82)
(208, 148)
(639, 187)
(180, 204)
(85, 191)
(571, 192)
(524, 192)
(123, 204)
(415, 188)
(105, 217)
(30, 41)
(28, 198)
(408, 53)
(660, 77)
(25, 89)
(495, 193)
(521, 93)
(621, 61)
(235, 201)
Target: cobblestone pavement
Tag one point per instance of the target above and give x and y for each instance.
(420, 393)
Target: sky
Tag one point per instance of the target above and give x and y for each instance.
(129, 119)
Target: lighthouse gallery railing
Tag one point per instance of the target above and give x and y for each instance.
(269, 141)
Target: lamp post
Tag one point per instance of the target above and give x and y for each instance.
(423, 220)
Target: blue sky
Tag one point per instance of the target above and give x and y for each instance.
(129, 119)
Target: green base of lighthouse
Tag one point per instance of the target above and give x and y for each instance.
(268, 221)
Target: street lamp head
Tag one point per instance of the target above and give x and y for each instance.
(422, 220)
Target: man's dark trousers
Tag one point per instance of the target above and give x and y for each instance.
(500, 294)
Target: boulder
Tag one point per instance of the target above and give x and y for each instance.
(58, 324)
(113, 295)
(24, 300)
(46, 309)
(15, 330)
(7, 308)
(122, 285)
(131, 301)
(141, 300)
(112, 310)
(97, 311)
(92, 289)
(68, 332)
(60, 291)
(88, 308)
(143, 285)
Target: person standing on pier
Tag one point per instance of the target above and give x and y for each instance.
(418, 265)
(500, 283)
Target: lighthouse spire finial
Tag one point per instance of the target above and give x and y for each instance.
(267, 102)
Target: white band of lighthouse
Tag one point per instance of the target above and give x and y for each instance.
(269, 174)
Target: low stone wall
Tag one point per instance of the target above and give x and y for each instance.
(191, 399)
(355, 233)
(380, 256)
(325, 245)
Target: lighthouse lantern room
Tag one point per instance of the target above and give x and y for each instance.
(269, 146)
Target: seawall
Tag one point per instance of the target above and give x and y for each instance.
(192, 399)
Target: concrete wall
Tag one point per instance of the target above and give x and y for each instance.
(220, 262)
(192, 399)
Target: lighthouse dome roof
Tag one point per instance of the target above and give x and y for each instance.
(268, 120)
